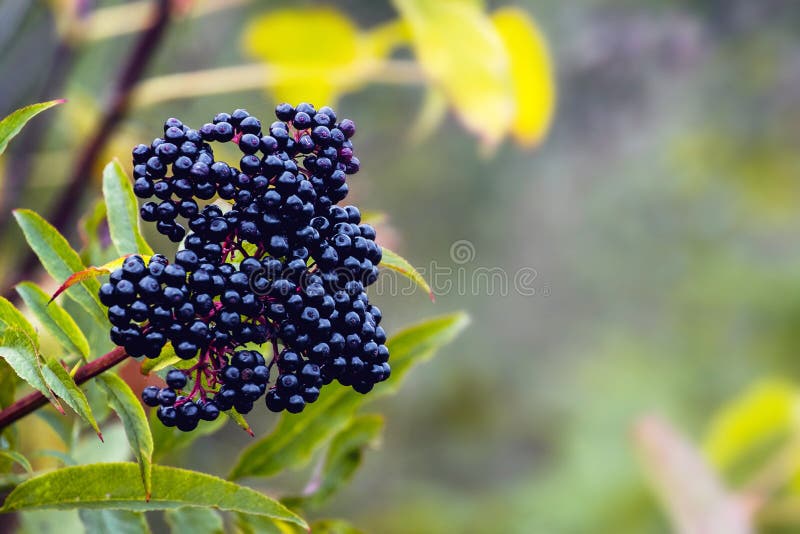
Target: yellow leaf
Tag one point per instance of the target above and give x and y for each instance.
(767, 412)
(531, 74)
(459, 49)
(339, 60)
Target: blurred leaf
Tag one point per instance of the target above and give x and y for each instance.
(62, 426)
(765, 412)
(311, 74)
(333, 526)
(373, 217)
(399, 264)
(418, 343)
(467, 60)
(17, 458)
(168, 440)
(89, 273)
(8, 384)
(240, 421)
(12, 124)
(116, 485)
(430, 115)
(19, 352)
(55, 319)
(168, 358)
(690, 491)
(114, 522)
(125, 403)
(194, 520)
(531, 74)
(93, 251)
(11, 317)
(123, 211)
(61, 261)
(250, 524)
(62, 384)
(63, 457)
(343, 457)
(295, 438)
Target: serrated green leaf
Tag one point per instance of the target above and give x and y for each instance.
(55, 319)
(65, 388)
(11, 317)
(397, 263)
(295, 438)
(11, 125)
(169, 440)
(127, 406)
(194, 520)
(116, 486)
(123, 213)
(19, 352)
(114, 522)
(416, 344)
(61, 261)
(341, 461)
(19, 459)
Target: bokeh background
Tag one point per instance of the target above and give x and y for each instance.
(659, 215)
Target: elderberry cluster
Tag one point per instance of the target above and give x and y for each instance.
(277, 262)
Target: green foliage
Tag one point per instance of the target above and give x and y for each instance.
(17, 458)
(13, 124)
(114, 521)
(55, 319)
(64, 387)
(20, 353)
(168, 440)
(125, 403)
(11, 317)
(123, 212)
(395, 262)
(61, 261)
(194, 520)
(116, 486)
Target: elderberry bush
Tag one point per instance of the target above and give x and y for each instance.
(285, 268)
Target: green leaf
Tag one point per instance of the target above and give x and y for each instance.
(8, 384)
(11, 317)
(12, 124)
(194, 520)
(61, 261)
(418, 343)
(123, 212)
(399, 264)
(19, 352)
(18, 458)
(116, 486)
(333, 526)
(127, 406)
(169, 440)
(168, 358)
(55, 319)
(114, 522)
(341, 461)
(240, 421)
(295, 438)
(62, 384)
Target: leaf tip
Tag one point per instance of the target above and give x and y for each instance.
(100, 435)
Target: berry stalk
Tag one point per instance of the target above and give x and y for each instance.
(32, 402)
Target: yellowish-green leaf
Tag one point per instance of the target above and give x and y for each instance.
(125, 403)
(13, 124)
(61, 261)
(167, 358)
(65, 388)
(17, 458)
(333, 526)
(531, 73)
(22, 356)
(767, 411)
(460, 50)
(395, 262)
(55, 319)
(123, 212)
(116, 486)
(316, 75)
(11, 317)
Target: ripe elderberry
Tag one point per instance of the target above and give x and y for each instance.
(282, 264)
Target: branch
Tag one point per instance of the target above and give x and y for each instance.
(32, 402)
(131, 73)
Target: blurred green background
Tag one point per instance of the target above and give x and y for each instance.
(660, 217)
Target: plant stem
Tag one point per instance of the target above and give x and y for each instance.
(138, 59)
(32, 402)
